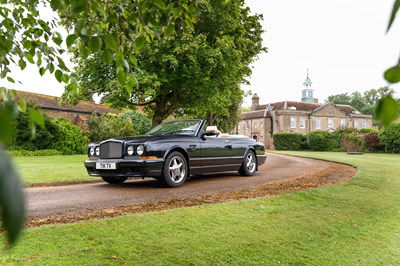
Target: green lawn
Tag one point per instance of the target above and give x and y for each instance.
(43, 169)
(353, 223)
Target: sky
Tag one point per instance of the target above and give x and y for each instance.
(343, 45)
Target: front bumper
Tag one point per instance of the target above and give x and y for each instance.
(126, 168)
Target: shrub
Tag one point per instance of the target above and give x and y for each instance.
(140, 121)
(337, 135)
(289, 141)
(320, 140)
(69, 138)
(351, 143)
(372, 142)
(367, 130)
(23, 138)
(390, 137)
(110, 126)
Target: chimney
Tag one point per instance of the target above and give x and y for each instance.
(255, 102)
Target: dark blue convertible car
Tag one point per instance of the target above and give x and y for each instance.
(172, 151)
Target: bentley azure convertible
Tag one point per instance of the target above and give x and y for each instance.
(173, 151)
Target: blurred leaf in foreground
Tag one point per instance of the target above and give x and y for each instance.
(387, 109)
(12, 200)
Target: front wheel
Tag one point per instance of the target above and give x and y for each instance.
(114, 180)
(175, 170)
(249, 164)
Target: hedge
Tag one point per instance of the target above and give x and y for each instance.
(289, 141)
(390, 137)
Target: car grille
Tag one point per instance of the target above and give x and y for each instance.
(111, 150)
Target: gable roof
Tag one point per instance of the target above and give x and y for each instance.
(348, 109)
(52, 103)
(285, 105)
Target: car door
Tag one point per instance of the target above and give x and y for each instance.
(216, 154)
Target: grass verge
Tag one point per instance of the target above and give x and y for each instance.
(353, 223)
(51, 169)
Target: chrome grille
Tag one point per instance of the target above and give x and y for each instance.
(110, 150)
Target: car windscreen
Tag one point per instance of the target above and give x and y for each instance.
(178, 127)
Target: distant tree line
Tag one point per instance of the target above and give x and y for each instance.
(366, 102)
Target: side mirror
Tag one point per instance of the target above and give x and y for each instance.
(208, 133)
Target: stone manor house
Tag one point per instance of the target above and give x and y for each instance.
(264, 120)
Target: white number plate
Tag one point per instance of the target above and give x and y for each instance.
(106, 166)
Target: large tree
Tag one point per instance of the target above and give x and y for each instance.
(93, 26)
(189, 73)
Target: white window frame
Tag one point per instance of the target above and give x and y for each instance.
(364, 124)
(342, 123)
(254, 125)
(302, 122)
(356, 124)
(247, 125)
(330, 122)
(293, 122)
(317, 123)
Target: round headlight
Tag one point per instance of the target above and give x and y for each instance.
(140, 149)
(91, 151)
(97, 151)
(130, 150)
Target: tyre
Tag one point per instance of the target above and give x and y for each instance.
(249, 165)
(114, 180)
(175, 170)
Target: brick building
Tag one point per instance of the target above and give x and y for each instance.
(78, 114)
(300, 117)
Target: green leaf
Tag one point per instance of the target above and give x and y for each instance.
(22, 64)
(392, 75)
(10, 79)
(387, 109)
(133, 60)
(160, 4)
(106, 56)
(36, 117)
(4, 73)
(58, 41)
(55, 4)
(61, 64)
(396, 7)
(79, 6)
(51, 68)
(22, 105)
(7, 116)
(42, 70)
(139, 43)
(12, 201)
(119, 58)
(111, 42)
(71, 39)
(121, 76)
(94, 44)
(29, 57)
(58, 74)
(65, 78)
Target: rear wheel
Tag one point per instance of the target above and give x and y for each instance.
(175, 170)
(249, 164)
(114, 180)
